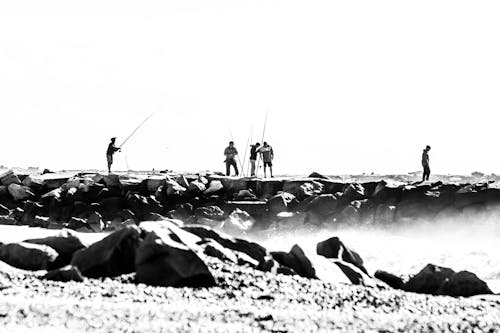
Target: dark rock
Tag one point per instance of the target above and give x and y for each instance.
(317, 175)
(196, 187)
(164, 260)
(77, 223)
(4, 210)
(280, 202)
(353, 192)
(336, 249)
(256, 209)
(429, 279)
(266, 188)
(324, 205)
(31, 209)
(28, 256)
(95, 222)
(65, 274)
(66, 243)
(112, 256)
(387, 191)
(6, 220)
(392, 280)
(20, 192)
(464, 284)
(154, 217)
(349, 216)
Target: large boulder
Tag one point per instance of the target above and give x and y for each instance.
(28, 256)
(20, 192)
(65, 274)
(464, 284)
(112, 256)
(281, 202)
(390, 279)
(196, 187)
(266, 188)
(429, 279)
(324, 205)
(353, 192)
(214, 187)
(210, 212)
(4, 210)
(9, 177)
(66, 243)
(238, 222)
(334, 248)
(163, 259)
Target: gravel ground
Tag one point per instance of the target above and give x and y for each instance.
(245, 300)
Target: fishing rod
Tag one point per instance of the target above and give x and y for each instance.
(136, 129)
(246, 150)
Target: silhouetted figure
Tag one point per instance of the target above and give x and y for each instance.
(230, 152)
(425, 164)
(267, 156)
(253, 158)
(110, 152)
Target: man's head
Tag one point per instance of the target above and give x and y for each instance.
(265, 144)
(113, 139)
(428, 148)
(231, 143)
(257, 145)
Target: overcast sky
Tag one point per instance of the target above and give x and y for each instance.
(351, 86)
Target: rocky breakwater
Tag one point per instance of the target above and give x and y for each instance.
(95, 202)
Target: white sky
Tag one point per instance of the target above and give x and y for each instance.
(352, 86)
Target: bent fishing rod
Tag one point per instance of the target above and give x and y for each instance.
(136, 129)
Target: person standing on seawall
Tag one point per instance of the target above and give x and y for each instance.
(110, 152)
(425, 163)
(267, 156)
(230, 152)
(253, 158)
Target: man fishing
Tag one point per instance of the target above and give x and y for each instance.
(253, 158)
(230, 152)
(267, 156)
(425, 163)
(110, 152)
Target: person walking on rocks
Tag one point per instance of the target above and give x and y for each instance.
(425, 163)
(230, 152)
(253, 158)
(267, 156)
(110, 152)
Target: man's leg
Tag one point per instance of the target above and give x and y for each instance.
(252, 168)
(271, 170)
(428, 173)
(235, 167)
(228, 168)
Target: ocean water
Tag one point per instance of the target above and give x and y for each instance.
(472, 245)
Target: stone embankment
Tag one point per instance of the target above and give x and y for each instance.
(163, 228)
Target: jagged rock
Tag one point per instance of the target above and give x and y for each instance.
(126, 214)
(77, 223)
(95, 222)
(163, 259)
(317, 175)
(349, 216)
(323, 205)
(281, 202)
(253, 250)
(303, 189)
(4, 210)
(66, 243)
(28, 256)
(353, 192)
(256, 209)
(7, 220)
(112, 256)
(215, 186)
(214, 213)
(141, 206)
(19, 192)
(9, 177)
(238, 222)
(464, 284)
(111, 180)
(336, 249)
(391, 280)
(31, 209)
(387, 191)
(65, 274)
(196, 187)
(429, 279)
(266, 188)
(154, 182)
(183, 212)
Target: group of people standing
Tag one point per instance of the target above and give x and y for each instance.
(266, 152)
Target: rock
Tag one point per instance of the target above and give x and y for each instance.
(253, 250)
(266, 188)
(317, 175)
(214, 213)
(77, 223)
(303, 189)
(391, 280)
(238, 222)
(95, 222)
(245, 195)
(385, 214)
(215, 186)
(385, 191)
(141, 206)
(154, 217)
(336, 249)
(429, 280)
(4, 210)
(196, 187)
(183, 212)
(31, 209)
(19, 192)
(126, 214)
(111, 180)
(112, 256)
(172, 188)
(28, 256)
(7, 220)
(65, 274)
(464, 284)
(280, 202)
(353, 192)
(154, 182)
(349, 216)
(324, 205)
(164, 260)
(9, 177)
(66, 243)
(256, 209)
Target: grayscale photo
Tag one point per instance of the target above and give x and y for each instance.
(249, 166)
